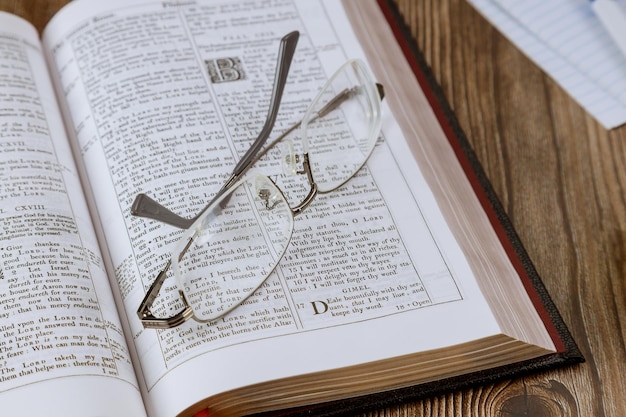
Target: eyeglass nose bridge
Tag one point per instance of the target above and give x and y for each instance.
(306, 169)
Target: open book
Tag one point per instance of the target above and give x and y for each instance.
(406, 280)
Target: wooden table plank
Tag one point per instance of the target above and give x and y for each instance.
(561, 178)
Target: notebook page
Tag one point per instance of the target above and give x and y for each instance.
(571, 28)
(567, 41)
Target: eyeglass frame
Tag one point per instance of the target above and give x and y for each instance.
(144, 206)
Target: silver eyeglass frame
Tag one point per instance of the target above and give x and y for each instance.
(144, 206)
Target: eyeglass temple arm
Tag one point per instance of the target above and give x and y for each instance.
(287, 49)
(148, 320)
(144, 206)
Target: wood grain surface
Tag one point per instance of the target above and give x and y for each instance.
(562, 180)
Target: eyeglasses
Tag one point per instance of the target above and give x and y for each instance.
(233, 245)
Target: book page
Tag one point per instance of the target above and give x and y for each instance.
(61, 341)
(164, 98)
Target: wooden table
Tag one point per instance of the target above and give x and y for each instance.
(562, 180)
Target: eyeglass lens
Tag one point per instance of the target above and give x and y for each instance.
(235, 247)
(340, 141)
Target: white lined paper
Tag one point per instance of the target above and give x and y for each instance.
(567, 40)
